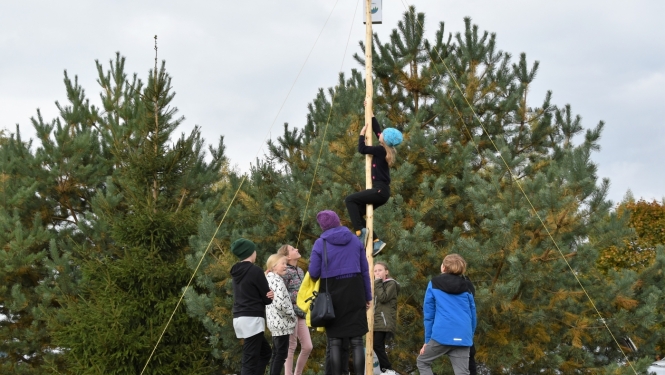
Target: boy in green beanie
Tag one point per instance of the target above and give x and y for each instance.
(251, 294)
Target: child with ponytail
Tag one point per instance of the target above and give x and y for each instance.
(383, 157)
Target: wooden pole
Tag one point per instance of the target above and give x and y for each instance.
(369, 94)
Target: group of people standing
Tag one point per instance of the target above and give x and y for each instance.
(269, 296)
(339, 261)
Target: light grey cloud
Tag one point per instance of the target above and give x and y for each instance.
(233, 63)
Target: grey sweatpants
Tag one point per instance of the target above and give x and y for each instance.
(459, 357)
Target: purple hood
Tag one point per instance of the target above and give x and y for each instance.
(345, 256)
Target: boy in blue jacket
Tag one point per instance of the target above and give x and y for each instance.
(450, 317)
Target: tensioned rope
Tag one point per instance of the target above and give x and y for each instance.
(236, 193)
(325, 131)
(519, 185)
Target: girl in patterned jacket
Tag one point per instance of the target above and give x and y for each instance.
(280, 316)
(293, 279)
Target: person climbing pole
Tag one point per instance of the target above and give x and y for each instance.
(383, 157)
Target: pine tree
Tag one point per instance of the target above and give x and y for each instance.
(133, 267)
(475, 148)
(95, 227)
(45, 194)
(25, 242)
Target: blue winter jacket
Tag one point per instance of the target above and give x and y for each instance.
(449, 310)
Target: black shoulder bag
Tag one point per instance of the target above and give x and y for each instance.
(321, 309)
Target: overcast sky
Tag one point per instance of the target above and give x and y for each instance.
(233, 63)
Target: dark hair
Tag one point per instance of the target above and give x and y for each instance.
(284, 250)
(384, 264)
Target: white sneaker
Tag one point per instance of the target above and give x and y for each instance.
(390, 372)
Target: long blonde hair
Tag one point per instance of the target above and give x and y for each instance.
(391, 154)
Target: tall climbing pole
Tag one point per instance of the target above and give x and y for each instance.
(369, 93)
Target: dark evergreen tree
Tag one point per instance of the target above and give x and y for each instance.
(133, 264)
(95, 228)
(25, 240)
(45, 195)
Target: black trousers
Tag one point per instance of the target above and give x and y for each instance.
(344, 355)
(280, 349)
(380, 349)
(472, 360)
(356, 203)
(255, 355)
(358, 350)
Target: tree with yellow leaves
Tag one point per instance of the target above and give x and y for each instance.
(638, 250)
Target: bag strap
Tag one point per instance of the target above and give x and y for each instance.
(325, 261)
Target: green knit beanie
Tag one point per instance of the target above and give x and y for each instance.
(243, 248)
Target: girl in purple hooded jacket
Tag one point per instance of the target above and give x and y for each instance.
(346, 278)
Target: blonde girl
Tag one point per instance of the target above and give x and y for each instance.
(279, 315)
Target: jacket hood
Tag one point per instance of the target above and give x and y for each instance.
(452, 284)
(239, 270)
(390, 279)
(338, 236)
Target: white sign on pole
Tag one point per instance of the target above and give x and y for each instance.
(377, 11)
